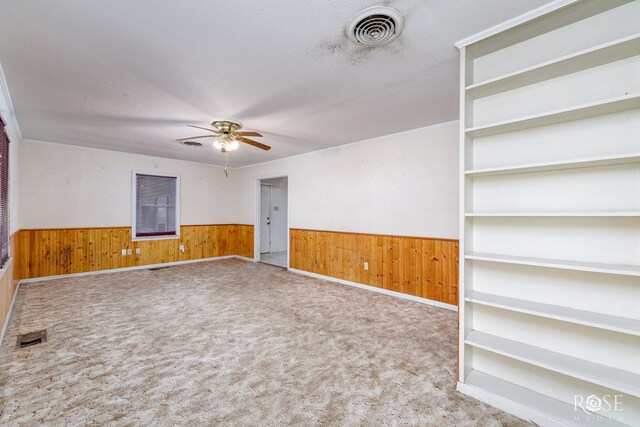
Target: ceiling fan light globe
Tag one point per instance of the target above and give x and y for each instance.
(219, 144)
(225, 145)
(233, 145)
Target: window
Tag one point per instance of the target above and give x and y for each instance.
(4, 194)
(157, 198)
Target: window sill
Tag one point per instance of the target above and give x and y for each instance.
(143, 238)
(6, 266)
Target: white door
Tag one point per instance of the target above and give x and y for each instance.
(265, 219)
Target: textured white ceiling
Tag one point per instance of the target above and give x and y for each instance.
(129, 75)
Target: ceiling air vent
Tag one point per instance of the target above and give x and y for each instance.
(375, 26)
(192, 144)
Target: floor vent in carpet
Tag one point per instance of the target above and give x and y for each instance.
(32, 338)
(157, 268)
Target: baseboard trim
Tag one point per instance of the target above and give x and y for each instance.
(509, 406)
(8, 318)
(379, 290)
(137, 267)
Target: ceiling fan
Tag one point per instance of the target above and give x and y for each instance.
(227, 136)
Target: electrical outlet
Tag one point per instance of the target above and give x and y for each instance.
(137, 251)
(129, 252)
(181, 248)
(124, 252)
(366, 265)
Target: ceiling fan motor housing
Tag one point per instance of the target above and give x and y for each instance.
(226, 126)
(227, 137)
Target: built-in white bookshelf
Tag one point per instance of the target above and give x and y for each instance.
(553, 214)
(523, 401)
(550, 311)
(616, 159)
(583, 111)
(550, 213)
(625, 47)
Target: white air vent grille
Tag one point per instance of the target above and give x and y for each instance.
(375, 26)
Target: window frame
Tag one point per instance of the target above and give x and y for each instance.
(134, 205)
(5, 224)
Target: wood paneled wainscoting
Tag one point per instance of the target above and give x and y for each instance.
(8, 281)
(51, 252)
(419, 266)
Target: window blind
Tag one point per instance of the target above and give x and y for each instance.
(155, 205)
(4, 194)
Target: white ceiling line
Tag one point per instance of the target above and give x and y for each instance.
(82, 147)
(403, 133)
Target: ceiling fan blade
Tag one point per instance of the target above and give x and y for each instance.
(248, 133)
(195, 137)
(254, 143)
(200, 127)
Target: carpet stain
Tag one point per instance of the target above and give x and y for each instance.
(234, 343)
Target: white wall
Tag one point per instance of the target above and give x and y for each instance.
(62, 186)
(402, 184)
(14, 154)
(279, 231)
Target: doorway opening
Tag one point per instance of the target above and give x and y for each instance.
(273, 222)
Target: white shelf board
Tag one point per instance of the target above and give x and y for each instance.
(552, 214)
(624, 270)
(592, 109)
(547, 409)
(606, 376)
(534, 23)
(558, 165)
(580, 317)
(582, 60)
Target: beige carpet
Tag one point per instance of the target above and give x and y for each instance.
(231, 343)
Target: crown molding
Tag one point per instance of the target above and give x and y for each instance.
(514, 22)
(11, 120)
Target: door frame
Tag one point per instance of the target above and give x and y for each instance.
(260, 219)
(256, 221)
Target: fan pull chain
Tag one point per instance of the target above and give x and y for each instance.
(226, 166)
